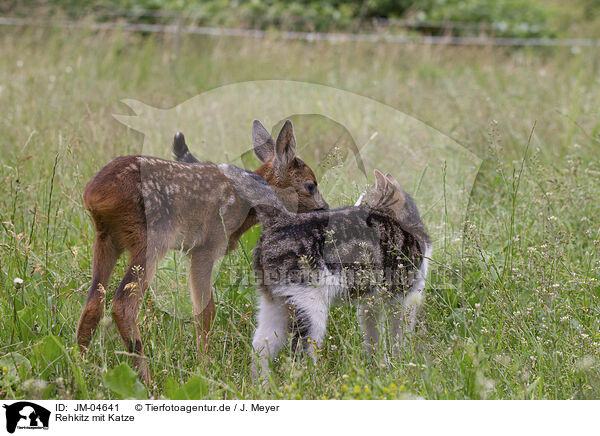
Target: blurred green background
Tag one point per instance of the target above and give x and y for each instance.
(505, 18)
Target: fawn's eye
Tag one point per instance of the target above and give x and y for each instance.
(311, 188)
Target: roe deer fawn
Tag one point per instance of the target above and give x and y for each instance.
(147, 206)
(377, 251)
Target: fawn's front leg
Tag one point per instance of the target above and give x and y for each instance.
(202, 263)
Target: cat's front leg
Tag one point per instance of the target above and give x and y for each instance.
(310, 305)
(271, 333)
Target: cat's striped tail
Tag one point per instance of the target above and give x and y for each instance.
(256, 191)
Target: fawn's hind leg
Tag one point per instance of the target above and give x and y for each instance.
(105, 257)
(126, 305)
(271, 332)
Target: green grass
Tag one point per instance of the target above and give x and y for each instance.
(511, 308)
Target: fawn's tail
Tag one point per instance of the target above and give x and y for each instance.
(181, 152)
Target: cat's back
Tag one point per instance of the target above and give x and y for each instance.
(286, 243)
(323, 238)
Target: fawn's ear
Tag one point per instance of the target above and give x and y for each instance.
(285, 147)
(262, 142)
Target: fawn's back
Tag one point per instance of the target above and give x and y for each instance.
(140, 199)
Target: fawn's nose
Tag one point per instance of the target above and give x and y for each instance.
(323, 204)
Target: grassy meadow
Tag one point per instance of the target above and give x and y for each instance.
(511, 309)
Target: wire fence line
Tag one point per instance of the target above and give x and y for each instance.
(180, 29)
(379, 22)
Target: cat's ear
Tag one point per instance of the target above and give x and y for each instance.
(381, 183)
(393, 181)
